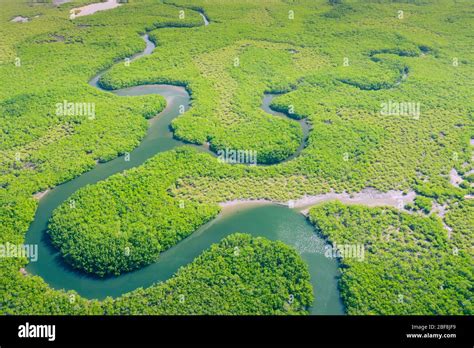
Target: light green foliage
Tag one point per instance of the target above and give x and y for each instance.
(411, 266)
(266, 277)
(425, 57)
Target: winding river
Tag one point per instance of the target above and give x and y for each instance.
(268, 220)
(266, 101)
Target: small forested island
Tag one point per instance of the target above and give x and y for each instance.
(217, 157)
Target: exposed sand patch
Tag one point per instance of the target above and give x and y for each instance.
(93, 8)
(241, 202)
(368, 197)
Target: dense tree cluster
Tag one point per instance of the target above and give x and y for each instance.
(335, 65)
(411, 265)
(422, 203)
(264, 277)
(125, 221)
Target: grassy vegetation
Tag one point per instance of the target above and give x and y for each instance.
(337, 64)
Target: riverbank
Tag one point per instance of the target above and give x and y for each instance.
(93, 8)
(369, 197)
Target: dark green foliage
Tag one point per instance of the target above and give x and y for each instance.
(423, 203)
